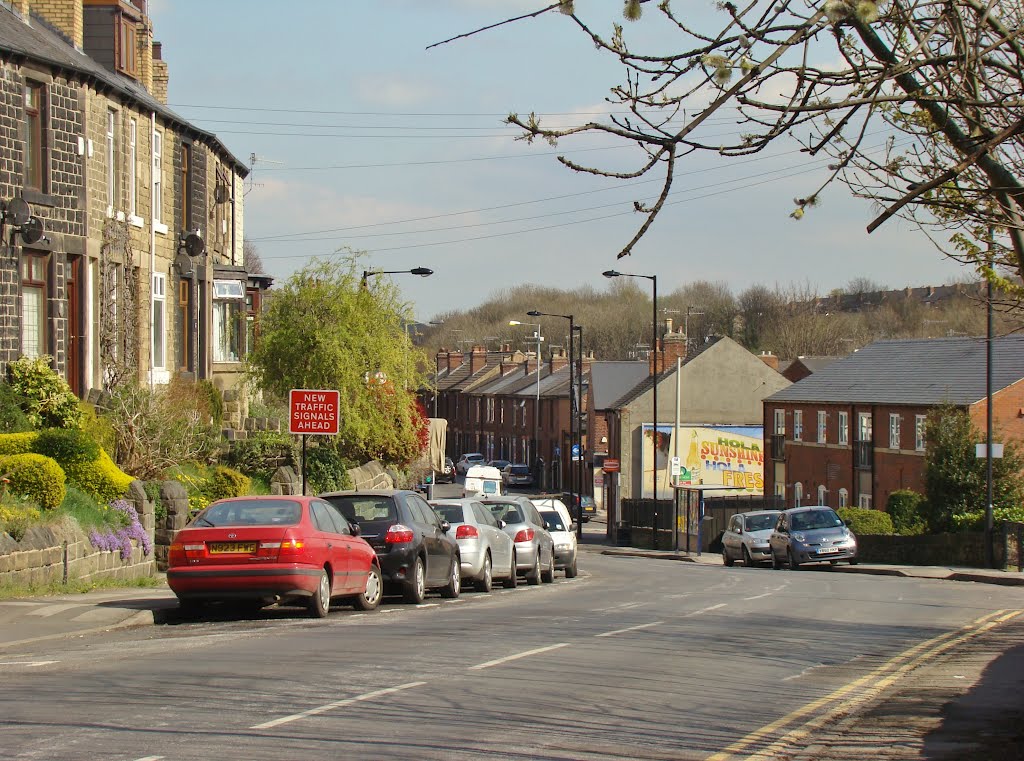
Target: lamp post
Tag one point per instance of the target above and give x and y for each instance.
(654, 393)
(536, 406)
(572, 412)
(420, 271)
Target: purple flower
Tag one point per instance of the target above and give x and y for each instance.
(122, 538)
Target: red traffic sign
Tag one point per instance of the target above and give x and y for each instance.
(611, 465)
(313, 411)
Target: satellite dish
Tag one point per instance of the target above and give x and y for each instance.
(221, 194)
(17, 211)
(32, 231)
(194, 245)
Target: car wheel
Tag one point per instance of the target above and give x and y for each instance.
(776, 565)
(748, 561)
(548, 576)
(415, 588)
(854, 561)
(454, 586)
(571, 571)
(726, 560)
(794, 565)
(512, 580)
(370, 598)
(485, 582)
(320, 603)
(533, 577)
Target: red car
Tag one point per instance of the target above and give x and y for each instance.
(264, 550)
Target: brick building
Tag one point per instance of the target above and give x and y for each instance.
(853, 432)
(119, 185)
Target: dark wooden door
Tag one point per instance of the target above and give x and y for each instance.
(75, 339)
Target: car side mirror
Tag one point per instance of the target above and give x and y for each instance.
(501, 523)
(445, 526)
(739, 530)
(356, 531)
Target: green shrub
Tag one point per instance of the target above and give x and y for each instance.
(214, 401)
(35, 476)
(866, 521)
(100, 478)
(98, 427)
(227, 482)
(16, 515)
(905, 509)
(47, 397)
(326, 470)
(17, 443)
(66, 445)
(89, 512)
(12, 414)
(261, 453)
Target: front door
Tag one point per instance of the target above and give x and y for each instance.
(75, 340)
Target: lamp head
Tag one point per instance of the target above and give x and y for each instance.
(611, 273)
(533, 313)
(421, 271)
(514, 322)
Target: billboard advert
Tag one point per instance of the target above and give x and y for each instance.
(726, 456)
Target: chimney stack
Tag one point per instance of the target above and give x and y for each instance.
(770, 359)
(161, 75)
(477, 358)
(66, 16)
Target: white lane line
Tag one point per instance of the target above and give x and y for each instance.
(624, 606)
(53, 610)
(27, 663)
(704, 610)
(758, 597)
(630, 629)
(421, 606)
(337, 704)
(517, 656)
(149, 758)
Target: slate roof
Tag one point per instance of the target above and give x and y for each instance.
(924, 372)
(648, 381)
(38, 41)
(610, 380)
(815, 364)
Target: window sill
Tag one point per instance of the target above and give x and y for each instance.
(159, 377)
(136, 221)
(159, 227)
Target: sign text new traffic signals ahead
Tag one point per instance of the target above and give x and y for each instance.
(313, 411)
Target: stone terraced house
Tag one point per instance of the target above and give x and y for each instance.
(122, 222)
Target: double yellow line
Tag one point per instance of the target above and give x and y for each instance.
(865, 688)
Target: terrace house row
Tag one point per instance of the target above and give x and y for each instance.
(855, 431)
(123, 222)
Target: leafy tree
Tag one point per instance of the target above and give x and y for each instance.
(325, 328)
(917, 102)
(955, 479)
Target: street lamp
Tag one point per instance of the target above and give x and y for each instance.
(536, 406)
(575, 438)
(654, 402)
(421, 271)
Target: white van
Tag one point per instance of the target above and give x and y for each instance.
(483, 481)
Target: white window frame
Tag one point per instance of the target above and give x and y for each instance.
(798, 425)
(822, 493)
(920, 423)
(844, 427)
(133, 168)
(864, 501)
(159, 317)
(158, 180)
(844, 498)
(798, 494)
(895, 420)
(822, 427)
(780, 422)
(111, 161)
(865, 427)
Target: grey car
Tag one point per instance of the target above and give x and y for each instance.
(535, 549)
(746, 537)
(811, 535)
(487, 551)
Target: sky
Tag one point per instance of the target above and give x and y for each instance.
(365, 138)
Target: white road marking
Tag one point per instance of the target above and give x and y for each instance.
(630, 629)
(517, 656)
(337, 704)
(149, 758)
(758, 597)
(704, 610)
(53, 610)
(624, 606)
(427, 605)
(27, 663)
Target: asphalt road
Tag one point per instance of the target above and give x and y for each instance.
(635, 659)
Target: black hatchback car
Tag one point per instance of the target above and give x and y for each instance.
(412, 542)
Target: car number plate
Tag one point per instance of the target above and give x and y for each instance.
(221, 548)
(827, 550)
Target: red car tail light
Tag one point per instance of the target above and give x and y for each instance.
(399, 534)
(292, 547)
(466, 532)
(525, 535)
(179, 552)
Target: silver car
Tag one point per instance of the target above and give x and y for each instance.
(535, 549)
(811, 535)
(746, 537)
(487, 552)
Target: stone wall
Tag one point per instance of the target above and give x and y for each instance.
(174, 504)
(962, 549)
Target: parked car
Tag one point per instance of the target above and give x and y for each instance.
(482, 480)
(487, 552)
(447, 475)
(517, 474)
(499, 464)
(574, 501)
(412, 543)
(746, 537)
(565, 542)
(553, 503)
(261, 550)
(535, 549)
(467, 461)
(811, 535)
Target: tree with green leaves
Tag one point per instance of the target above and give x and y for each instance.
(327, 328)
(955, 479)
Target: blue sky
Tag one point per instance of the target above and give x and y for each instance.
(365, 138)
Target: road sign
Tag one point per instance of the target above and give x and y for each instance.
(981, 451)
(576, 452)
(611, 465)
(313, 411)
(675, 466)
(558, 451)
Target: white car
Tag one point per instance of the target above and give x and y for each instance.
(467, 461)
(565, 541)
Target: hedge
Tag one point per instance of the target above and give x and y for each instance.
(100, 478)
(36, 476)
(227, 482)
(17, 443)
(866, 521)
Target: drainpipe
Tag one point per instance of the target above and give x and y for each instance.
(152, 250)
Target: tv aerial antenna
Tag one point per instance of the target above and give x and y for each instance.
(250, 180)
